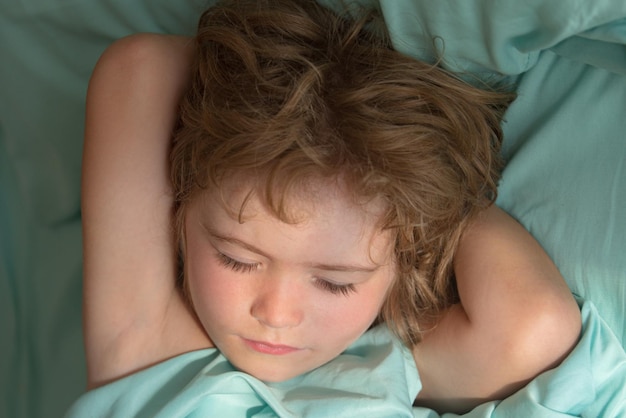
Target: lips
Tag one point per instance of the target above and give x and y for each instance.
(268, 348)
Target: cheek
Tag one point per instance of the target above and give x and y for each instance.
(358, 311)
(203, 273)
(348, 319)
(367, 306)
(210, 288)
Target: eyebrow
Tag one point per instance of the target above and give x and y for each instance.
(318, 266)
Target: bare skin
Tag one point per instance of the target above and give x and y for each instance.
(134, 316)
(516, 319)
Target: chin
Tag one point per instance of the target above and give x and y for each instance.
(273, 370)
(272, 375)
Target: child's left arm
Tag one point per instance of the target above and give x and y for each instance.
(517, 318)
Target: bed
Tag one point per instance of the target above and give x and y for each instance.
(565, 178)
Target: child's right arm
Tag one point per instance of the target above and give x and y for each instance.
(134, 315)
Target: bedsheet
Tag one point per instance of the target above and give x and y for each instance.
(565, 146)
(204, 384)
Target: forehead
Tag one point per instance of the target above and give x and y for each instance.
(295, 201)
(321, 212)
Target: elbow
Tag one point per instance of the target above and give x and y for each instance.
(534, 344)
(545, 337)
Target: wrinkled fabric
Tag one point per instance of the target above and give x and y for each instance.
(376, 377)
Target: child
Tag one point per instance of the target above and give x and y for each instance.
(320, 182)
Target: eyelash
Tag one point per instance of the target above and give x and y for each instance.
(239, 267)
(235, 265)
(335, 289)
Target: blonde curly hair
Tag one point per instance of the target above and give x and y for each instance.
(288, 91)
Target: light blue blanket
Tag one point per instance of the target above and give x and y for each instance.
(376, 377)
(565, 178)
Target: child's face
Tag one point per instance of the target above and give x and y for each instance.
(281, 299)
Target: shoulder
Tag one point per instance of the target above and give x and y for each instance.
(517, 318)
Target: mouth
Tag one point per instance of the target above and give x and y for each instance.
(268, 348)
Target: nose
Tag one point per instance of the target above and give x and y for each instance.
(277, 304)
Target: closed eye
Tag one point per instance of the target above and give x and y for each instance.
(241, 267)
(334, 288)
(235, 265)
